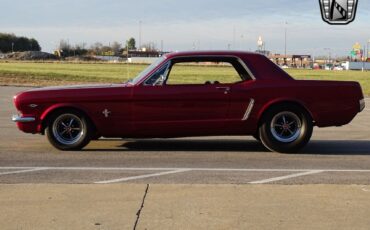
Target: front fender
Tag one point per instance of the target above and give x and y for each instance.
(51, 109)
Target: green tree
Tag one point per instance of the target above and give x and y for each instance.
(131, 44)
(10, 42)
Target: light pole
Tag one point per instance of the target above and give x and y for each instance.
(241, 41)
(140, 23)
(234, 37)
(367, 54)
(329, 57)
(12, 47)
(286, 32)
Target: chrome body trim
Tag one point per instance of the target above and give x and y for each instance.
(32, 105)
(168, 61)
(164, 67)
(246, 68)
(249, 110)
(17, 118)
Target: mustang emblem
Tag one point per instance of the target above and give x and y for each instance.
(106, 113)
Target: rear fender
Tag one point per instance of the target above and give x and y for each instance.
(268, 105)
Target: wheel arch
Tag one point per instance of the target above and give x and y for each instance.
(45, 116)
(278, 102)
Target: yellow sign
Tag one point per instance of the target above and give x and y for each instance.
(357, 46)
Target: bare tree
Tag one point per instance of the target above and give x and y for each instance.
(116, 47)
(96, 48)
(64, 45)
(149, 46)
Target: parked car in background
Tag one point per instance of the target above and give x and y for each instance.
(246, 94)
(338, 68)
(328, 67)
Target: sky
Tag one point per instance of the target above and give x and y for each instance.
(186, 25)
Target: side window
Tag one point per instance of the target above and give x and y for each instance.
(203, 72)
(159, 77)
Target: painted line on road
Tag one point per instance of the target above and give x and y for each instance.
(23, 171)
(174, 169)
(140, 177)
(286, 177)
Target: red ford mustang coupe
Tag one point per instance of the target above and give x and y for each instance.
(193, 94)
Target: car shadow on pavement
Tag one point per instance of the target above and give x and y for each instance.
(314, 147)
(195, 145)
(175, 145)
(338, 147)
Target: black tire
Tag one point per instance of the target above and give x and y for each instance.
(286, 128)
(60, 130)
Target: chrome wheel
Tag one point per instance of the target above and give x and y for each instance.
(286, 127)
(68, 129)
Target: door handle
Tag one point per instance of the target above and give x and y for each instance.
(225, 89)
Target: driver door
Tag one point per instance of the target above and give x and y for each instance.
(170, 104)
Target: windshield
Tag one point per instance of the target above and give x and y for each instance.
(147, 70)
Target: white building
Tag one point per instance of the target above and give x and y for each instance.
(356, 65)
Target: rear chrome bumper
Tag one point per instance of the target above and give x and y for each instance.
(17, 118)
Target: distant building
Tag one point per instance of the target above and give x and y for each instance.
(142, 60)
(144, 54)
(356, 65)
(293, 61)
(263, 52)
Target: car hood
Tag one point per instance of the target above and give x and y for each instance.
(72, 94)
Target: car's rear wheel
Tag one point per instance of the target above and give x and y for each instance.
(69, 130)
(286, 128)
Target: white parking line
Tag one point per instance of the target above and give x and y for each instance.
(23, 171)
(186, 169)
(167, 171)
(140, 177)
(286, 177)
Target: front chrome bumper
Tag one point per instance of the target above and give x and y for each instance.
(17, 118)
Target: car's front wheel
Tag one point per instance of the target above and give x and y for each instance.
(286, 128)
(69, 130)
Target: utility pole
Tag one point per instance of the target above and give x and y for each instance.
(241, 41)
(140, 24)
(367, 54)
(286, 32)
(234, 37)
(127, 61)
(329, 52)
(363, 61)
(12, 47)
